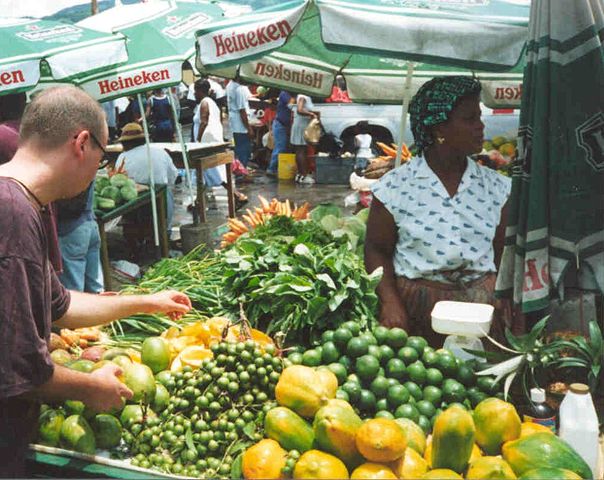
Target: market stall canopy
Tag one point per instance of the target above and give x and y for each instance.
(305, 64)
(555, 233)
(68, 50)
(160, 38)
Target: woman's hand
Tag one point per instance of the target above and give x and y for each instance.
(394, 314)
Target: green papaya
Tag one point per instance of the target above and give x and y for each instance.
(453, 439)
(289, 429)
(549, 474)
(77, 435)
(50, 422)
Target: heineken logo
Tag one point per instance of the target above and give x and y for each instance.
(281, 72)
(10, 78)
(181, 27)
(239, 42)
(509, 93)
(143, 78)
(41, 34)
(590, 137)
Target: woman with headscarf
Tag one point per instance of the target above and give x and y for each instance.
(436, 224)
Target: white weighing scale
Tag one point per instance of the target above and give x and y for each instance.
(464, 323)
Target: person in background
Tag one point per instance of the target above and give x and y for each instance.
(159, 111)
(238, 105)
(303, 114)
(111, 114)
(362, 141)
(437, 222)
(218, 94)
(62, 138)
(281, 130)
(134, 160)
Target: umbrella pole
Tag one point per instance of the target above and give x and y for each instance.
(406, 99)
(185, 154)
(151, 177)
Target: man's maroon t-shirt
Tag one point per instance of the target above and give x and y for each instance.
(31, 298)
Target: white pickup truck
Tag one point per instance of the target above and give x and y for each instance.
(384, 121)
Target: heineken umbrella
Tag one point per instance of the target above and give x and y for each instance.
(160, 39)
(555, 231)
(69, 52)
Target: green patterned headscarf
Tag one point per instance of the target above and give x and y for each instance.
(433, 103)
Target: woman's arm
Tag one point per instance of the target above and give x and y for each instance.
(204, 115)
(379, 250)
(302, 108)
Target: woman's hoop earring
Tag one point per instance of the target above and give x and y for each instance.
(440, 140)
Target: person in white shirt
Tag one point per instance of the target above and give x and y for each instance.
(362, 140)
(303, 114)
(238, 105)
(110, 110)
(135, 162)
(437, 222)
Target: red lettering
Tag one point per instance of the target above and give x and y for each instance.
(138, 80)
(261, 34)
(220, 47)
(128, 82)
(531, 274)
(114, 86)
(18, 76)
(241, 42)
(165, 74)
(509, 93)
(499, 93)
(260, 67)
(251, 39)
(228, 44)
(6, 78)
(104, 87)
(518, 92)
(269, 70)
(156, 76)
(284, 28)
(272, 32)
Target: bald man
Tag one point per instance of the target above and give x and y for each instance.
(62, 139)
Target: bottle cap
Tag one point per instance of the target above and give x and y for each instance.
(537, 395)
(579, 388)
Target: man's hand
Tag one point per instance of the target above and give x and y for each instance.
(174, 304)
(394, 314)
(250, 132)
(108, 390)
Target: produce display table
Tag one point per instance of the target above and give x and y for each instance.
(47, 462)
(142, 201)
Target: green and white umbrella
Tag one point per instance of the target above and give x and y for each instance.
(555, 233)
(70, 51)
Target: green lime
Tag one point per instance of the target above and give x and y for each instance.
(367, 367)
(417, 372)
(430, 357)
(397, 337)
(408, 355)
(397, 395)
(414, 390)
(465, 375)
(447, 364)
(386, 353)
(475, 396)
(369, 338)
(395, 368)
(366, 401)
(428, 349)
(346, 362)
(434, 376)
(353, 377)
(339, 371)
(163, 377)
(161, 399)
(330, 353)
(425, 424)
(381, 404)
(353, 389)
(457, 404)
(382, 372)
(295, 358)
(379, 386)
(453, 391)
(433, 395)
(486, 384)
(342, 395)
(311, 358)
(424, 407)
(419, 343)
(357, 347)
(381, 334)
(407, 411)
(327, 336)
(375, 351)
(384, 414)
(393, 381)
(341, 337)
(352, 326)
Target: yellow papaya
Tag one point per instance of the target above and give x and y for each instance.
(301, 389)
(496, 422)
(476, 453)
(329, 381)
(490, 468)
(528, 428)
(452, 439)
(410, 466)
(370, 471)
(414, 435)
(442, 474)
(289, 429)
(381, 440)
(263, 460)
(315, 464)
(335, 428)
(543, 450)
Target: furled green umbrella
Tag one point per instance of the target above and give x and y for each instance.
(69, 51)
(555, 233)
(287, 47)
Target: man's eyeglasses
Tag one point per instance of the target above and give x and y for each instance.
(105, 159)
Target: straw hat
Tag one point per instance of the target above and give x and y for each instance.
(131, 131)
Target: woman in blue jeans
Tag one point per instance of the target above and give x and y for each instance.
(281, 128)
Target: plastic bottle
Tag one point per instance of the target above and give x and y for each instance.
(579, 424)
(540, 412)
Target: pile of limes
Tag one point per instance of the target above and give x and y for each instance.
(213, 413)
(386, 373)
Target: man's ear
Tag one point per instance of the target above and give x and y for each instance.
(79, 141)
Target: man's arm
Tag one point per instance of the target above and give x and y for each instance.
(87, 310)
(379, 250)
